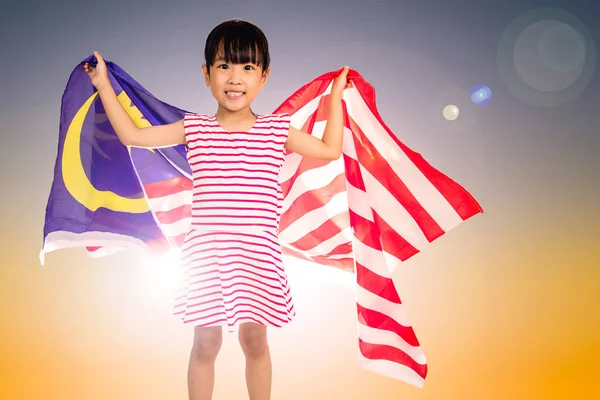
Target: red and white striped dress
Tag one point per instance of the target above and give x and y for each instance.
(232, 269)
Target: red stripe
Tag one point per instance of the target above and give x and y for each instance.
(237, 156)
(377, 320)
(303, 96)
(345, 264)
(234, 200)
(174, 215)
(234, 140)
(235, 177)
(306, 164)
(461, 200)
(312, 200)
(220, 130)
(204, 193)
(270, 245)
(391, 241)
(326, 230)
(232, 147)
(262, 171)
(275, 117)
(237, 252)
(353, 174)
(178, 240)
(384, 352)
(377, 284)
(371, 160)
(262, 310)
(341, 249)
(167, 187)
(250, 269)
(245, 277)
(233, 209)
(362, 230)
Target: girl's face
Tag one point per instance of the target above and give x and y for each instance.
(234, 86)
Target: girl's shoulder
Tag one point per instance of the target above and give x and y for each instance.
(190, 118)
(188, 115)
(276, 116)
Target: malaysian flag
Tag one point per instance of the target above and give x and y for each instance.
(366, 213)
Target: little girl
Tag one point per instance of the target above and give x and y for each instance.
(231, 258)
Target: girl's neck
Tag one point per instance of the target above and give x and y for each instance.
(244, 114)
(235, 120)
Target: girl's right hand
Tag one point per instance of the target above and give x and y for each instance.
(99, 74)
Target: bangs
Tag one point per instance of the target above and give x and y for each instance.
(237, 42)
(236, 50)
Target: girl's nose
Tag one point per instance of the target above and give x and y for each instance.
(235, 76)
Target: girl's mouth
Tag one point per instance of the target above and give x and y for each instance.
(234, 95)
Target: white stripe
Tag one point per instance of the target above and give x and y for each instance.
(235, 150)
(292, 161)
(289, 167)
(357, 198)
(380, 199)
(416, 182)
(297, 120)
(112, 241)
(254, 139)
(176, 228)
(233, 199)
(326, 246)
(171, 201)
(376, 303)
(348, 144)
(392, 212)
(315, 218)
(311, 254)
(391, 370)
(357, 201)
(388, 338)
(313, 179)
(339, 256)
(379, 262)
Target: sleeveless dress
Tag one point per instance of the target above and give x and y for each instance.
(232, 269)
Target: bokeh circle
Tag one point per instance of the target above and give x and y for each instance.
(547, 57)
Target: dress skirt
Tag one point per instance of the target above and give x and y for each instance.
(228, 278)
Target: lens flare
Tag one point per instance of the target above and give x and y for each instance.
(451, 112)
(481, 95)
(547, 57)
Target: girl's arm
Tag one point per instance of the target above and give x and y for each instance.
(330, 147)
(129, 134)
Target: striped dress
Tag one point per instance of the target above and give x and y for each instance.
(232, 270)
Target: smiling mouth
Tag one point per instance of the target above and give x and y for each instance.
(234, 94)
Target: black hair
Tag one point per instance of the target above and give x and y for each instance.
(237, 42)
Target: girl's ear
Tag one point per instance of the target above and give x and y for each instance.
(265, 77)
(205, 71)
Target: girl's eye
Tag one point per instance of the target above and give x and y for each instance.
(249, 67)
(223, 66)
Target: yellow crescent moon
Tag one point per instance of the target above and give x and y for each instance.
(74, 176)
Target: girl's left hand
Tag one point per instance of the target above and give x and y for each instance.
(341, 82)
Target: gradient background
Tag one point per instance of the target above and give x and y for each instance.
(507, 306)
